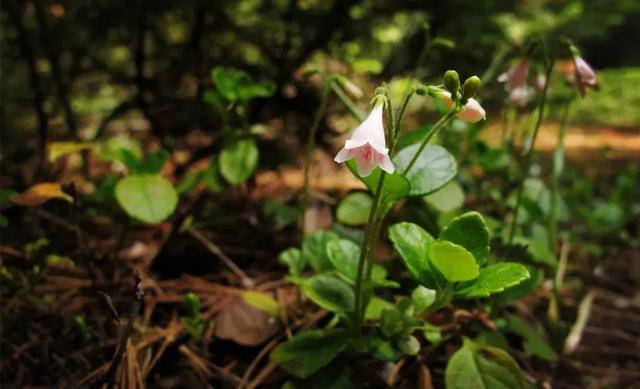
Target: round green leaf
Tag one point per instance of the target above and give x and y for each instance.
(309, 351)
(432, 170)
(450, 197)
(475, 366)
(493, 279)
(354, 209)
(344, 255)
(238, 160)
(412, 243)
(330, 293)
(148, 198)
(454, 262)
(471, 232)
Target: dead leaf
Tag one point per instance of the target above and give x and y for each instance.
(58, 149)
(40, 194)
(244, 324)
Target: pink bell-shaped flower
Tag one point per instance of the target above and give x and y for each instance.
(472, 111)
(584, 75)
(367, 145)
(515, 83)
(516, 76)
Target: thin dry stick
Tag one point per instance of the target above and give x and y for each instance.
(256, 360)
(109, 377)
(215, 250)
(584, 311)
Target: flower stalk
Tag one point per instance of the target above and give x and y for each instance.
(529, 155)
(311, 143)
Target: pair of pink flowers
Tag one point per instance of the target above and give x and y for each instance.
(520, 93)
(367, 145)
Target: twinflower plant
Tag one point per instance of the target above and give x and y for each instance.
(339, 272)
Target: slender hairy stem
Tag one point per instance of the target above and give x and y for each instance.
(311, 144)
(558, 162)
(441, 123)
(346, 101)
(369, 237)
(527, 160)
(399, 116)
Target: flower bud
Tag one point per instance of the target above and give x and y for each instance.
(471, 87)
(452, 82)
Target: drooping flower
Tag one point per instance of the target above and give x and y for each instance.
(367, 145)
(472, 111)
(515, 80)
(584, 75)
(521, 95)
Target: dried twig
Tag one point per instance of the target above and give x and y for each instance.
(584, 311)
(109, 377)
(244, 278)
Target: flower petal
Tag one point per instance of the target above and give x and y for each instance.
(343, 155)
(386, 164)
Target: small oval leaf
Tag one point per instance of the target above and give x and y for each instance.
(454, 262)
(148, 198)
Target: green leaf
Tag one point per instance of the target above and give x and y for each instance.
(153, 162)
(262, 301)
(148, 198)
(212, 178)
(422, 298)
(344, 255)
(394, 188)
(354, 209)
(314, 246)
(535, 342)
(306, 353)
(236, 85)
(432, 170)
(479, 367)
(493, 279)
(454, 262)
(375, 308)
(449, 198)
(525, 287)
(292, 258)
(238, 160)
(471, 232)
(412, 243)
(330, 293)
(121, 149)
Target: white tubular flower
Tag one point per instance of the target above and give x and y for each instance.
(367, 145)
(472, 111)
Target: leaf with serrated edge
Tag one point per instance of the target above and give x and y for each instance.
(492, 279)
(471, 232)
(412, 243)
(479, 367)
